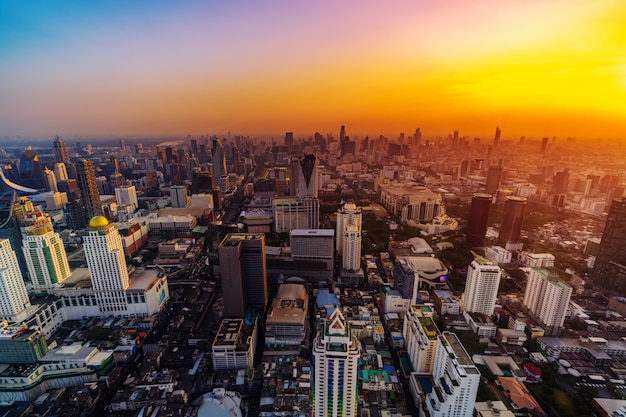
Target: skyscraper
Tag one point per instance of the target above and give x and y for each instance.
(50, 180)
(351, 256)
(336, 353)
(512, 220)
(244, 273)
(494, 178)
(288, 138)
(307, 178)
(609, 270)
(45, 255)
(349, 214)
(15, 302)
(481, 287)
(478, 219)
(219, 160)
(60, 171)
(107, 265)
(178, 194)
(86, 179)
(496, 138)
(60, 150)
(547, 299)
(127, 196)
(560, 182)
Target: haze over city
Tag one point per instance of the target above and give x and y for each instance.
(550, 68)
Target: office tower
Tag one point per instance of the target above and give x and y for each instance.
(494, 178)
(349, 214)
(560, 182)
(194, 146)
(614, 193)
(351, 256)
(294, 176)
(60, 171)
(178, 194)
(219, 160)
(15, 302)
(307, 178)
(336, 353)
(512, 220)
(244, 273)
(288, 138)
(544, 145)
(86, 179)
(75, 214)
(609, 270)
(237, 161)
(455, 139)
(122, 147)
(312, 243)
(139, 148)
(547, 298)
(69, 187)
(12, 213)
(30, 169)
(202, 182)
(607, 182)
(481, 287)
(50, 180)
(107, 265)
(60, 150)
(496, 138)
(420, 335)
(450, 391)
(478, 219)
(45, 255)
(342, 133)
(127, 196)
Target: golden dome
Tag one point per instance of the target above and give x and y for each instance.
(98, 221)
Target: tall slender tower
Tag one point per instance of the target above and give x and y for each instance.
(45, 255)
(50, 180)
(244, 273)
(336, 353)
(512, 220)
(60, 150)
(609, 270)
(107, 265)
(481, 287)
(494, 178)
(219, 160)
(86, 178)
(60, 171)
(307, 180)
(351, 259)
(478, 219)
(496, 138)
(15, 302)
(349, 214)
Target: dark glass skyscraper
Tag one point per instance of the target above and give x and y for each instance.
(512, 220)
(609, 270)
(478, 219)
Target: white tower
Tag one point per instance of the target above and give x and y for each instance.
(127, 196)
(14, 302)
(481, 287)
(547, 298)
(351, 260)
(349, 214)
(107, 265)
(45, 256)
(336, 355)
(50, 180)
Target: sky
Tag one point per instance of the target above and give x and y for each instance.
(532, 67)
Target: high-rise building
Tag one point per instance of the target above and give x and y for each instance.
(336, 353)
(351, 256)
(481, 287)
(452, 387)
(547, 299)
(288, 138)
(478, 219)
(60, 150)
(494, 178)
(351, 215)
(560, 182)
(107, 265)
(420, 335)
(179, 196)
(609, 270)
(512, 220)
(127, 196)
(45, 255)
(219, 159)
(86, 179)
(496, 138)
(30, 169)
(50, 180)
(60, 171)
(307, 178)
(15, 303)
(244, 273)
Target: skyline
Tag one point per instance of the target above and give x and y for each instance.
(552, 68)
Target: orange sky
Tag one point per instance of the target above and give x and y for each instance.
(535, 68)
